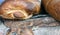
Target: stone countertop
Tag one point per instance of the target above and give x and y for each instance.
(39, 26)
(47, 31)
(3, 29)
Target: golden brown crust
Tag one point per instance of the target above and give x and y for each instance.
(25, 7)
(53, 8)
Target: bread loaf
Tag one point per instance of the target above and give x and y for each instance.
(19, 9)
(52, 7)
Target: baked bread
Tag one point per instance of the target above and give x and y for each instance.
(53, 8)
(19, 9)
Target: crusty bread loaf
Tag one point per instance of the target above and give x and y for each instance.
(19, 9)
(52, 7)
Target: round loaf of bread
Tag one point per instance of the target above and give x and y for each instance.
(19, 9)
(52, 7)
